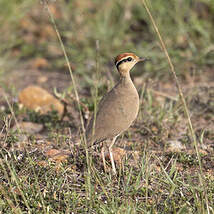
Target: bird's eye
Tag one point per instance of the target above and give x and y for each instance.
(129, 59)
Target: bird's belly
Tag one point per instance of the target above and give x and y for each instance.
(126, 110)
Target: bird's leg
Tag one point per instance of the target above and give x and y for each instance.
(103, 157)
(111, 155)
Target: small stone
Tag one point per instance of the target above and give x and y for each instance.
(175, 146)
(42, 163)
(42, 79)
(38, 99)
(135, 155)
(118, 154)
(57, 155)
(43, 145)
(28, 127)
(39, 62)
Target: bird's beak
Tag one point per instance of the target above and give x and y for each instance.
(141, 59)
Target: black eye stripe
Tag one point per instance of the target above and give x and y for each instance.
(124, 60)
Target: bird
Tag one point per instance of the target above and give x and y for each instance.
(117, 109)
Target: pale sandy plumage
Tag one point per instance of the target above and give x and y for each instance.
(118, 108)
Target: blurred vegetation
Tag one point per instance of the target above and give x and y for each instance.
(162, 181)
(120, 26)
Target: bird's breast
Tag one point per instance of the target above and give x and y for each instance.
(128, 103)
(116, 112)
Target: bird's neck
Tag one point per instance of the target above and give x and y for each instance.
(124, 75)
(125, 79)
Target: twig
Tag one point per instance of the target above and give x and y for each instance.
(186, 111)
(67, 61)
(172, 69)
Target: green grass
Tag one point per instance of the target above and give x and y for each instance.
(159, 180)
(136, 190)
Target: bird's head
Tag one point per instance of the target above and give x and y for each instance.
(126, 61)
